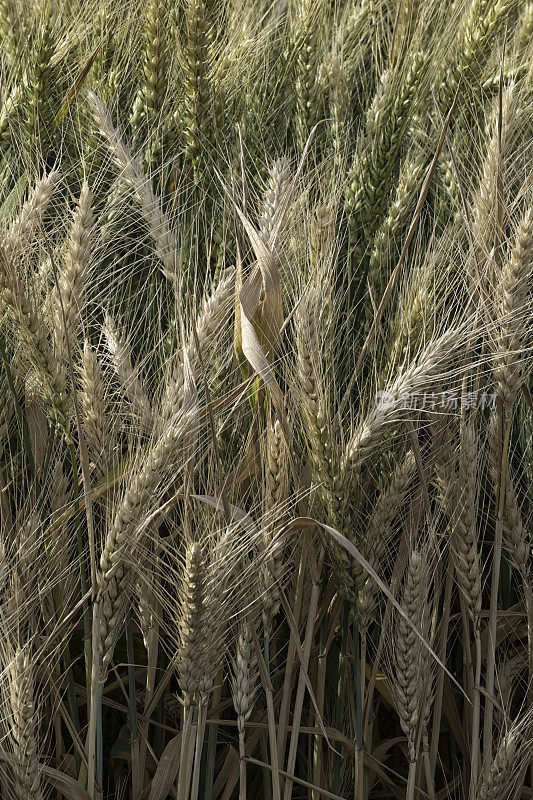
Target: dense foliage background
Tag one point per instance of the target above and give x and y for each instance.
(265, 412)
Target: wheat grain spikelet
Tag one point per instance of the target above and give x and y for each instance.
(157, 221)
(114, 576)
(513, 313)
(24, 727)
(414, 378)
(68, 297)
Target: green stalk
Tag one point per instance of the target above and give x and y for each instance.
(300, 692)
(99, 739)
(160, 708)
(291, 654)
(83, 573)
(200, 732)
(131, 676)
(187, 742)
(136, 767)
(212, 740)
(94, 697)
(351, 256)
(267, 788)
(411, 780)
(493, 609)
(474, 765)
(439, 692)
(358, 666)
(341, 695)
(320, 698)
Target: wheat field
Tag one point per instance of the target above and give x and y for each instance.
(266, 416)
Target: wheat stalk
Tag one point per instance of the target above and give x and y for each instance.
(463, 514)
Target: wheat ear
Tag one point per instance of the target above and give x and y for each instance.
(33, 341)
(514, 314)
(526, 28)
(154, 59)
(329, 473)
(339, 100)
(10, 33)
(24, 728)
(129, 377)
(513, 750)
(208, 325)
(31, 215)
(96, 422)
(276, 493)
(277, 188)
(411, 677)
(192, 626)
(8, 112)
(72, 279)
(243, 688)
(114, 577)
(196, 66)
(416, 377)
(306, 84)
(156, 219)
(37, 86)
(484, 19)
(487, 197)
(321, 231)
(366, 195)
(515, 534)
(392, 226)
